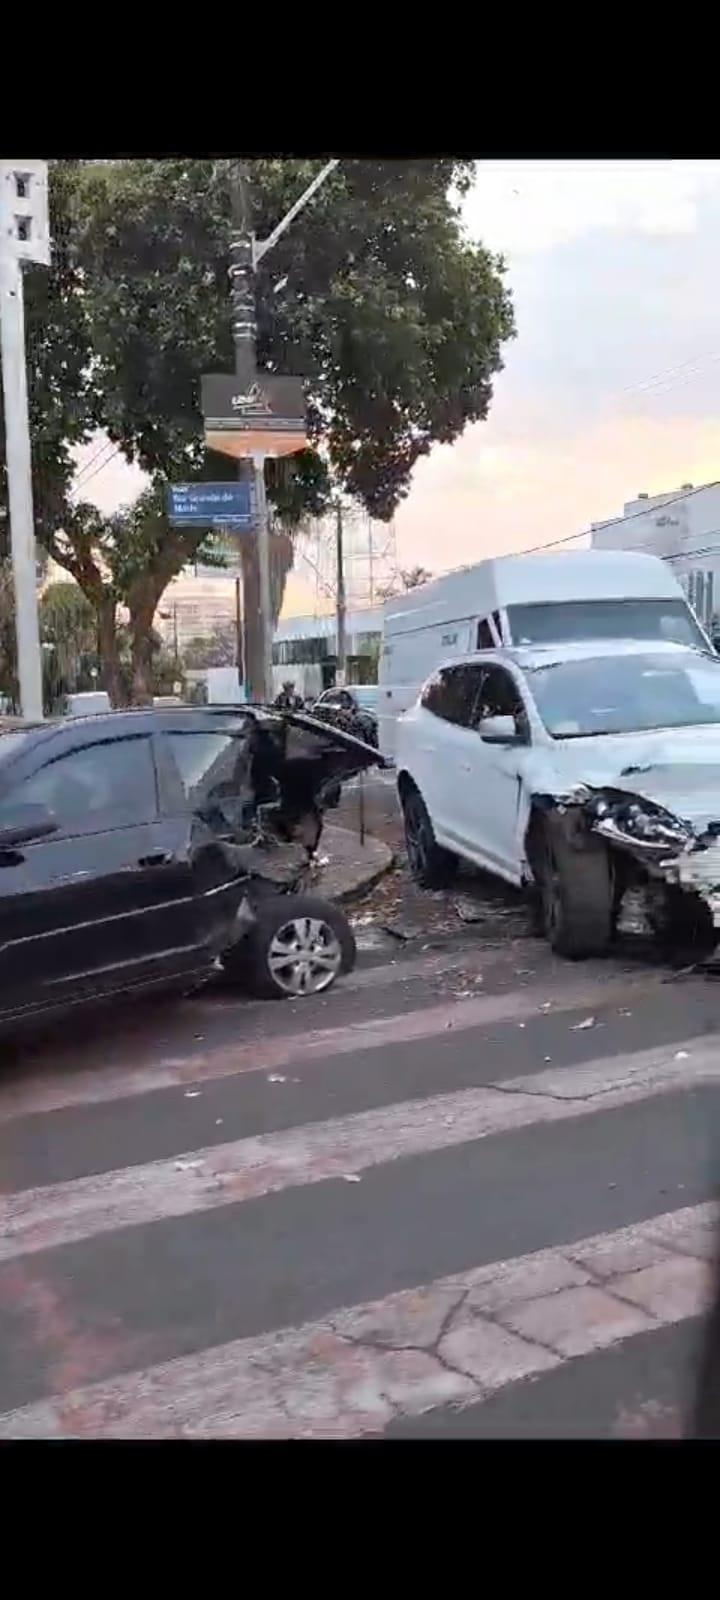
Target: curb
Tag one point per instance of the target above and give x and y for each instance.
(361, 878)
(346, 896)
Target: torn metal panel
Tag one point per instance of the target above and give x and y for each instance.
(698, 871)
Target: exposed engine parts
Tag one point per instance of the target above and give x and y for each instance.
(655, 854)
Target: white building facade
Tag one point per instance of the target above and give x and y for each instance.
(683, 528)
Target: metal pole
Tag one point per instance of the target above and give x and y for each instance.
(242, 292)
(263, 542)
(244, 327)
(370, 561)
(239, 635)
(340, 591)
(19, 475)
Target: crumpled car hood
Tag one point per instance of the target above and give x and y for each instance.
(678, 769)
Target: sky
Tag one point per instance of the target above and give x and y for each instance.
(611, 386)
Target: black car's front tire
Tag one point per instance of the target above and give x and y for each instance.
(297, 946)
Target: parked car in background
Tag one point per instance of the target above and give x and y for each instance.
(144, 849)
(349, 709)
(590, 771)
(87, 704)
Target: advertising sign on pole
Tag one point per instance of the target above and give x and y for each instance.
(266, 419)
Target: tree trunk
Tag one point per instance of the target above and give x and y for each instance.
(141, 653)
(281, 560)
(110, 673)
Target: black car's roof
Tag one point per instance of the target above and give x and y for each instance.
(148, 717)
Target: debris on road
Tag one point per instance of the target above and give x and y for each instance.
(579, 1027)
(276, 1077)
(470, 910)
(193, 1094)
(351, 1177)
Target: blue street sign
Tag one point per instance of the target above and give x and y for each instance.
(210, 505)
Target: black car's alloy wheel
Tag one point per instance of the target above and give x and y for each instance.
(298, 946)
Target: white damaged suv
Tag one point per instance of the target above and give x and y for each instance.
(590, 772)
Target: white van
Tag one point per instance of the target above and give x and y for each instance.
(550, 598)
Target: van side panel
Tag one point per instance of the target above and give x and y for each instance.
(407, 659)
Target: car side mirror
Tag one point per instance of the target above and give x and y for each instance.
(22, 824)
(500, 730)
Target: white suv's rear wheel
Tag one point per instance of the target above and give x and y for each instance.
(431, 866)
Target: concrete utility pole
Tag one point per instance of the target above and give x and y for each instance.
(244, 327)
(24, 236)
(245, 254)
(340, 609)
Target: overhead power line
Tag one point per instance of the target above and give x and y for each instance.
(82, 483)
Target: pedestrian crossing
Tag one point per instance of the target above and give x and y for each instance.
(381, 1220)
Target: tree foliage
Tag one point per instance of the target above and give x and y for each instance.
(406, 578)
(395, 319)
(217, 650)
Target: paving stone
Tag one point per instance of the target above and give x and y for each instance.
(575, 1321)
(544, 1275)
(412, 1317)
(671, 1290)
(610, 1257)
(492, 1355)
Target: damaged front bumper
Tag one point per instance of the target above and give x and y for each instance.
(668, 849)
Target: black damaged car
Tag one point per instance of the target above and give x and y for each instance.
(148, 848)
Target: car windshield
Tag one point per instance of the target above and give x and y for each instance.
(605, 619)
(626, 694)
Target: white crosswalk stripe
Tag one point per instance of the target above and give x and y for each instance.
(200, 1180)
(451, 1341)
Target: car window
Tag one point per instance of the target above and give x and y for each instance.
(498, 696)
(572, 620)
(451, 693)
(216, 774)
(485, 639)
(108, 784)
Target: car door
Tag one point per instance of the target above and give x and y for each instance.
(79, 909)
(489, 776)
(209, 795)
(440, 746)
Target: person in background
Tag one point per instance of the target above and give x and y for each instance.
(288, 700)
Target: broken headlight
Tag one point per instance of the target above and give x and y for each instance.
(633, 821)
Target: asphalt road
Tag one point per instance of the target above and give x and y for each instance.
(468, 1194)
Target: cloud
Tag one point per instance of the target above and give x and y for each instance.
(611, 385)
(521, 207)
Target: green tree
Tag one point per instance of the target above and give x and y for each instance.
(375, 296)
(68, 630)
(8, 676)
(217, 650)
(392, 315)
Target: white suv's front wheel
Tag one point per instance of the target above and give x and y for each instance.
(431, 866)
(576, 891)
